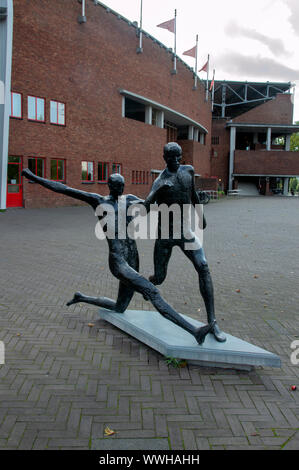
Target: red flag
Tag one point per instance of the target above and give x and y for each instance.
(212, 84)
(205, 67)
(170, 25)
(191, 52)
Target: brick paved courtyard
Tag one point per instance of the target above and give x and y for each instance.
(64, 380)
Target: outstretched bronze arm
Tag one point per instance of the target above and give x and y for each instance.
(92, 199)
(158, 185)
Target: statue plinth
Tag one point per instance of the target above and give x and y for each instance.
(155, 331)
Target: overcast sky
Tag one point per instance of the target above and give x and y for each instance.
(256, 40)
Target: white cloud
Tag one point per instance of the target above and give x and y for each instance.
(276, 46)
(294, 16)
(256, 66)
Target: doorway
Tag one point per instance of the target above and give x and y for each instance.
(14, 182)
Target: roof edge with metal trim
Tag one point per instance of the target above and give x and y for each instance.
(265, 175)
(291, 127)
(161, 107)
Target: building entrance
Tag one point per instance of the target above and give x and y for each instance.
(14, 182)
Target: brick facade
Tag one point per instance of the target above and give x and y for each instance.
(256, 161)
(85, 66)
(266, 163)
(276, 111)
(220, 151)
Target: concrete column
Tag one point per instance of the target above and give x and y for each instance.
(255, 138)
(123, 106)
(288, 142)
(231, 157)
(148, 114)
(6, 26)
(160, 119)
(190, 132)
(286, 186)
(195, 134)
(267, 192)
(268, 144)
(202, 138)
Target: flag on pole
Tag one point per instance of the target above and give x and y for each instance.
(191, 52)
(205, 67)
(212, 82)
(169, 25)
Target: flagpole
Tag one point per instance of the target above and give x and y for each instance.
(174, 61)
(139, 49)
(195, 76)
(213, 90)
(207, 84)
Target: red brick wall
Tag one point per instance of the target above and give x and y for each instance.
(266, 162)
(206, 184)
(276, 111)
(220, 152)
(85, 66)
(197, 155)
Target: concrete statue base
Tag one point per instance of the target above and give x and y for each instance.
(155, 331)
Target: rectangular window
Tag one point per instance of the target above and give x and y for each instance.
(36, 109)
(155, 114)
(37, 166)
(134, 110)
(57, 113)
(15, 105)
(87, 173)
(215, 140)
(57, 170)
(116, 168)
(103, 172)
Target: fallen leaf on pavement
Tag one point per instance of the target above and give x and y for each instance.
(109, 432)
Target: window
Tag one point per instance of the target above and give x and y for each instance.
(155, 117)
(215, 140)
(57, 170)
(37, 166)
(116, 168)
(172, 131)
(140, 177)
(87, 173)
(15, 105)
(103, 172)
(134, 110)
(57, 113)
(36, 109)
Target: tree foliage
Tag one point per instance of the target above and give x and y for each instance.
(295, 141)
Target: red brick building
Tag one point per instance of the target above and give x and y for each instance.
(85, 103)
(251, 130)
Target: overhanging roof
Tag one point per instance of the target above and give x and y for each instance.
(232, 98)
(169, 114)
(281, 128)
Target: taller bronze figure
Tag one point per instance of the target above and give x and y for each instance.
(181, 191)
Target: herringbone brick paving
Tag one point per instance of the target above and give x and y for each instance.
(64, 381)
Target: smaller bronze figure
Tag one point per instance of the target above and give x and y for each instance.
(123, 254)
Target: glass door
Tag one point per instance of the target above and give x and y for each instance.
(14, 182)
